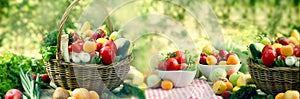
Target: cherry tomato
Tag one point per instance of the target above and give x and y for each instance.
(171, 64)
(182, 66)
(108, 55)
(111, 44)
(179, 56)
(161, 66)
(268, 57)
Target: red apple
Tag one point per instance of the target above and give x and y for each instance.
(223, 53)
(226, 95)
(203, 60)
(268, 57)
(230, 72)
(77, 46)
(95, 36)
(45, 78)
(283, 41)
(13, 94)
(297, 51)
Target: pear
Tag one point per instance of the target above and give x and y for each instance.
(291, 94)
(219, 87)
(244, 80)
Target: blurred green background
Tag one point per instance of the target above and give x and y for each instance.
(23, 23)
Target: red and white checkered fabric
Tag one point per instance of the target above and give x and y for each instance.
(198, 89)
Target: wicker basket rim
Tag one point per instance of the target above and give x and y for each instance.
(289, 69)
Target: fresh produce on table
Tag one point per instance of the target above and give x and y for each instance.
(211, 56)
(10, 66)
(284, 52)
(178, 60)
(78, 93)
(167, 85)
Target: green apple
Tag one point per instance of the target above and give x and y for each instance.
(266, 41)
(234, 77)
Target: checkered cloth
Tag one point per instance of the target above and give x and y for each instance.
(198, 89)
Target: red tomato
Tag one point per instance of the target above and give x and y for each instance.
(111, 44)
(77, 47)
(99, 47)
(179, 56)
(268, 57)
(182, 66)
(268, 47)
(108, 55)
(171, 64)
(161, 66)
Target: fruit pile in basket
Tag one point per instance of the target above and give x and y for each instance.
(284, 52)
(96, 47)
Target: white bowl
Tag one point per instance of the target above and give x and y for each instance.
(179, 78)
(206, 69)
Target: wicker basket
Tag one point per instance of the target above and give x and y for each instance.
(97, 77)
(274, 80)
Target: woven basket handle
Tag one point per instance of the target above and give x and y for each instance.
(63, 21)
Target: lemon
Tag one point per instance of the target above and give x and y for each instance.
(277, 45)
(101, 40)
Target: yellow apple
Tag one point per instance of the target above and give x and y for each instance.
(219, 87)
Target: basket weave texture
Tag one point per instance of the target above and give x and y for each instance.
(97, 77)
(274, 80)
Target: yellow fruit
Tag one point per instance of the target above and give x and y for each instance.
(60, 93)
(293, 40)
(211, 60)
(286, 50)
(208, 49)
(219, 87)
(244, 80)
(114, 36)
(166, 85)
(81, 93)
(89, 46)
(88, 33)
(104, 28)
(277, 45)
(296, 35)
(86, 26)
(101, 40)
(94, 95)
(71, 98)
(229, 86)
(236, 88)
(279, 96)
(233, 60)
(291, 94)
(222, 63)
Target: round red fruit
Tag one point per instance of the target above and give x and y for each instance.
(111, 44)
(161, 66)
(268, 47)
(182, 66)
(203, 60)
(108, 55)
(179, 56)
(268, 58)
(171, 64)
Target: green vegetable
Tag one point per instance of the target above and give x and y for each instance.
(48, 53)
(255, 52)
(124, 47)
(9, 70)
(245, 92)
(32, 89)
(50, 39)
(130, 91)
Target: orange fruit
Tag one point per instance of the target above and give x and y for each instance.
(229, 86)
(89, 46)
(232, 60)
(292, 40)
(211, 60)
(166, 85)
(279, 96)
(286, 50)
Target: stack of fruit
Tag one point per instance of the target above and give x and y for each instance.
(236, 80)
(154, 81)
(97, 47)
(284, 52)
(78, 93)
(210, 56)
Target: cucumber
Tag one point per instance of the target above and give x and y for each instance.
(255, 51)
